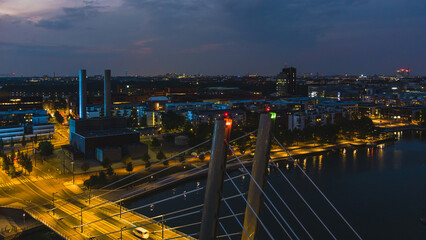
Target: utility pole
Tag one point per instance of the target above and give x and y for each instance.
(121, 233)
(72, 164)
(81, 222)
(162, 227)
(35, 157)
(121, 200)
(63, 162)
(258, 172)
(216, 172)
(53, 203)
(89, 195)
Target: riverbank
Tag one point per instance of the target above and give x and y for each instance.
(379, 190)
(299, 151)
(15, 223)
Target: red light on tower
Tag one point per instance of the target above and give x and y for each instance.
(228, 124)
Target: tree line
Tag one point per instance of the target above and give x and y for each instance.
(22, 159)
(361, 127)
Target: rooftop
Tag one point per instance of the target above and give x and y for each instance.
(105, 133)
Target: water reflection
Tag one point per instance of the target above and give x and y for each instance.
(380, 157)
(304, 164)
(397, 159)
(314, 162)
(360, 189)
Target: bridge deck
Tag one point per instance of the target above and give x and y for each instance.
(111, 227)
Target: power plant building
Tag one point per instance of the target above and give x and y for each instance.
(92, 136)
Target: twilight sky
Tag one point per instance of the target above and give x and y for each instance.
(212, 36)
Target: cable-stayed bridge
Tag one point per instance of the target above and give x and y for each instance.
(255, 212)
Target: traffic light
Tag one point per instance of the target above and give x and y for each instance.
(268, 109)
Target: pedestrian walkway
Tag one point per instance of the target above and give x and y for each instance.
(21, 180)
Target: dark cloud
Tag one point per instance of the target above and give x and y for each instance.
(69, 18)
(232, 36)
(26, 49)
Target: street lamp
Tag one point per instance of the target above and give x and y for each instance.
(89, 195)
(121, 233)
(121, 202)
(53, 203)
(81, 220)
(35, 157)
(63, 162)
(162, 227)
(72, 164)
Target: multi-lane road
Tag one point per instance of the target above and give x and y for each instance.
(36, 193)
(36, 196)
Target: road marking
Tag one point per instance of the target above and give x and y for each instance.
(24, 180)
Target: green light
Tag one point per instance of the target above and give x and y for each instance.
(273, 115)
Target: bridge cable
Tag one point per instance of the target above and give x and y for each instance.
(224, 230)
(236, 218)
(147, 224)
(245, 200)
(120, 198)
(111, 184)
(164, 169)
(307, 204)
(319, 190)
(133, 174)
(161, 201)
(230, 234)
(263, 192)
(288, 207)
(198, 223)
(278, 221)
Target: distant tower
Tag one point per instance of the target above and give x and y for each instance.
(286, 82)
(82, 93)
(107, 93)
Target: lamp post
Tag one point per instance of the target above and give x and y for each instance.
(72, 164)
(121, 233)
(162, 227)
(63, 162)
(120, 206)
(53, 203)
(89, 195)
(81, 215)
(35, 157)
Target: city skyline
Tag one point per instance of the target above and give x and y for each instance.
(197, 119)
(211, 38)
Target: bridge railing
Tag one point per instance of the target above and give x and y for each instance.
(35, 215)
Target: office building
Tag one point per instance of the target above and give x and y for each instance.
(286, 82)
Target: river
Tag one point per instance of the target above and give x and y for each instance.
(380, 191)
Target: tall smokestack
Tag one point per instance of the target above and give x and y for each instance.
(107, 93)
(82, 93)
